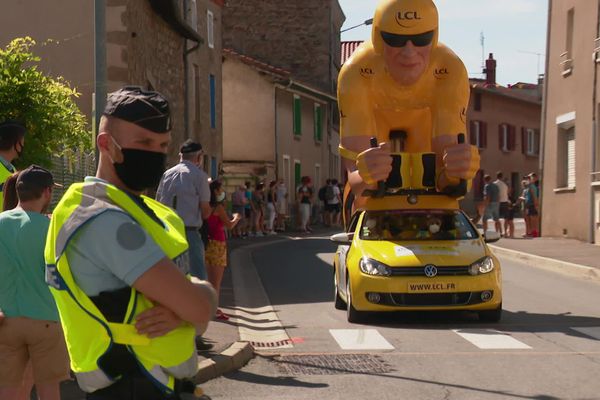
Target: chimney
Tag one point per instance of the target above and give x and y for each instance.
(490, 70)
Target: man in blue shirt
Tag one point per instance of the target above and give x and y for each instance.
(30, 331)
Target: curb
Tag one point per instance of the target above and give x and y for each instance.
(231, 359)
(550, 264)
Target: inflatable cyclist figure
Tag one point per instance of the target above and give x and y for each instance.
(403, 97)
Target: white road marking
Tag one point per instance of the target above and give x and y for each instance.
(591, 331)
(261, 326)
(360, 339)
(490, 339)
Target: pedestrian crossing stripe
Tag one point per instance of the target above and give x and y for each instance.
(591, 331)
(489, 339)
(360, 339)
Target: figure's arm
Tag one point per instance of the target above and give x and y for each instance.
(365, 165)
(454, 161)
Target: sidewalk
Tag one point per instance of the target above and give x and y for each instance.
(567, 256)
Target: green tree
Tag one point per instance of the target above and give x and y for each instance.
(44, 104)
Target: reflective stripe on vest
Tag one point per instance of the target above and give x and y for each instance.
(88, 334)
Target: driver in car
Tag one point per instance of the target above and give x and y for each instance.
(404, 79)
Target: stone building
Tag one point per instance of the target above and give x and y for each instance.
(301, 37)
(145, 43)
(571, 149)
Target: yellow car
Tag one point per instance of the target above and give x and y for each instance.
(416, 259)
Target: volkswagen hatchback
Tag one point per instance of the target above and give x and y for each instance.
(416, 259)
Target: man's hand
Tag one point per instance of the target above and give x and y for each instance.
(375, 164)
(157, 321)
(460, 161)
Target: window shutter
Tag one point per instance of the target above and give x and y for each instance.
(297, 116)
(511, 138)
(318, 123)
(500, 137)
(472, 133)
(537, 142)
(483, 130)
(523, 140)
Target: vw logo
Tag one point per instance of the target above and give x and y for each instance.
(430, 271)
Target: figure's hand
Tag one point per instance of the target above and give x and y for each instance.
(461, 161)
(157, 321)
(375, 164)
(2, 317)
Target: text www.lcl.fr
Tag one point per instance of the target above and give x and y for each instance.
(432, 286)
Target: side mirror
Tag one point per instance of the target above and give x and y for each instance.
(491, 236)
(342, 238)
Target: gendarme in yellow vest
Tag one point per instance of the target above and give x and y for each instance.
(87, 333)
(5, 173)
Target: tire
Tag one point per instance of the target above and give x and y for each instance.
(491, 315)
(339, 303)
(352, 314)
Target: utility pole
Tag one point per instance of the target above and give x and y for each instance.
(99, 66)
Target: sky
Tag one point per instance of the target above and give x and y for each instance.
(513, 29)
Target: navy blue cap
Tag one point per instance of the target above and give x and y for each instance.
(147, 109)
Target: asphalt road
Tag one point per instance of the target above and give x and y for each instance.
(547, 345)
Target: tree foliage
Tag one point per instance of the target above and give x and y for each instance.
(55, 125)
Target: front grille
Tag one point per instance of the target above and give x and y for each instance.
(429, 299)
(420, 271)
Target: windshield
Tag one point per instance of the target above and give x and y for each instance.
(416, 225)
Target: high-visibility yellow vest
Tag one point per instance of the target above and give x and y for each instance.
(5, 173)
(87, 332)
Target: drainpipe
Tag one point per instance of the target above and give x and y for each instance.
(544, 112)
(592, 230)
(186, 88)
(277, 177)
(99, 65)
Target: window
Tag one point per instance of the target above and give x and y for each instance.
(566, 158)
(297, 115)
(210, 36)
(530, 139)
(318, 123)
(297, 174)
(477, 102)
(214, 169)
(506, 137)
(191, 15)
(196, 93)
(478, 134)
(567, 56)
(213, 102)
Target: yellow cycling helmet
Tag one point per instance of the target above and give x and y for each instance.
(404, 18)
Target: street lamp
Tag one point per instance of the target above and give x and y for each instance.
(366, 23)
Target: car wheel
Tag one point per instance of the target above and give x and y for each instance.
(352, 314)
(339, 303)
(491, 315)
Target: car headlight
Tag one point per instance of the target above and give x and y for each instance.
(372, 267)
(482, 266)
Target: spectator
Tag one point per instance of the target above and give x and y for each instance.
(258, 208)
(185, 189)
(238, 206)
(322, 195)
(31, 331)
(271, 214)
(535, 210)
(523, 200)
(305, 194)
(503, 199)
(334, 200)
(491, 195)
(281, 205)
(12, 139)
(216, 251)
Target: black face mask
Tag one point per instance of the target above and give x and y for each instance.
(140, 169)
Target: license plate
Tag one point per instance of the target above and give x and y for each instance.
(429, 287)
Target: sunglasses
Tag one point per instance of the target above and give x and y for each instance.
(420, 40)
